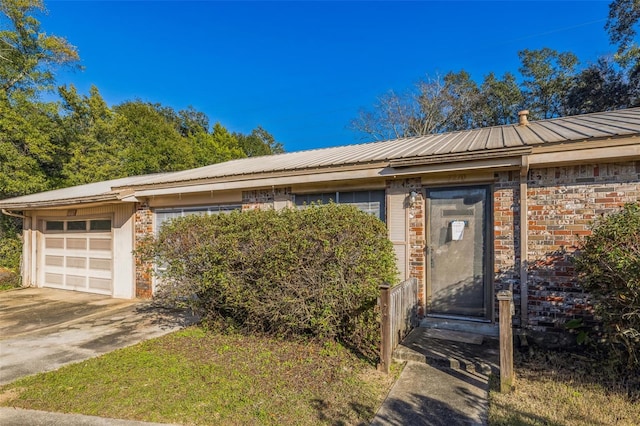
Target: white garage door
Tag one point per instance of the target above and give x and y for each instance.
(78, 255)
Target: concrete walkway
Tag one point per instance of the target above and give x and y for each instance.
(19, 417)
(445, 381)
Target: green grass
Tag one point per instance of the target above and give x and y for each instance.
(554, 388)
(195, 377)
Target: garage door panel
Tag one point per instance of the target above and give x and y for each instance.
(99, 283)
(100, 264)
(78, 260)
(53, 279)
(76, 281)
(76, 243)
(54, 243)
(100, 244)
(52, 260)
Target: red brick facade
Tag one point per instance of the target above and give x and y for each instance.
(563, 202)
(143, 227)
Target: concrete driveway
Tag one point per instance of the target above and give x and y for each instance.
(43, 329)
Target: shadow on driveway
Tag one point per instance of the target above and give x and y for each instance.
(43, 329)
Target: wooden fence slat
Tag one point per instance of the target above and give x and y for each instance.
(399, 315)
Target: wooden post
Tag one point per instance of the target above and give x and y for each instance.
(385, 328)
(507, 376)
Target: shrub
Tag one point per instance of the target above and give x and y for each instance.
(608, 267)
(312, 272)
(10, 253)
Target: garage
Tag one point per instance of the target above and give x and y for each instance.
(78, 255)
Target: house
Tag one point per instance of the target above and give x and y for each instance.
(469, 213)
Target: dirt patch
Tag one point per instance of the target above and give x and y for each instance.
(9, 395)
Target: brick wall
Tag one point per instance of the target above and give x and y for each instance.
(506, 226)
(265, 198)
(562, 204)
(143, 227)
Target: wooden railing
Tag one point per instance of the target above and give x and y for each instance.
(399, 315)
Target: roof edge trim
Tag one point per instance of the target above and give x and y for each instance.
(452, 158)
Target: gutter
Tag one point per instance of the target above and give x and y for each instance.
(12, 214)
(524, 243)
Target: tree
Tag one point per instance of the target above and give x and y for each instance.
(434, 105)
(152, 144)
(258, 142)
(548, 78)
(600, 87)
(501, 100)
(29, 149)
(28, 56)
(392, 116)
(92, 138)
(621, 26)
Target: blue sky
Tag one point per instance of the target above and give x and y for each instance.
(302, 70)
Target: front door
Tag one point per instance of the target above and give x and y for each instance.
(457, 252)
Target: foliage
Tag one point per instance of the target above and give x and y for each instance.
(600, 87)
(28, 56)
(547, 80)
(621, 26)
(312, 272)
(258, 142)
(608, 267)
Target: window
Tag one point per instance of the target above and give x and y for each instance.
(95, 225)
(77, 225)
(100, 225)
(371, 202)
(54, 225)
(163, 215)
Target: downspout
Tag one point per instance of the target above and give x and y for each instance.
(8, 213)
(524, 243)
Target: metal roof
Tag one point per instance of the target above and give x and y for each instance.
(91, 192)
(500, 140)
(508, 137)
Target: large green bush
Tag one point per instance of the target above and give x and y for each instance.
(312, 272)
(608, 267)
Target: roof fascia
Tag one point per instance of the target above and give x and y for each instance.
(624, 152)
(461, 157)
(231, 179)
(79, 201)
(263, 182)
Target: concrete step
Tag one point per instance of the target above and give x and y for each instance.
(458, 350)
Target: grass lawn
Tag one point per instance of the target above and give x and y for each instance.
(195, 377)
(563, 389)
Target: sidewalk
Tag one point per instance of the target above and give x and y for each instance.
(444, 382)
(19, 417)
